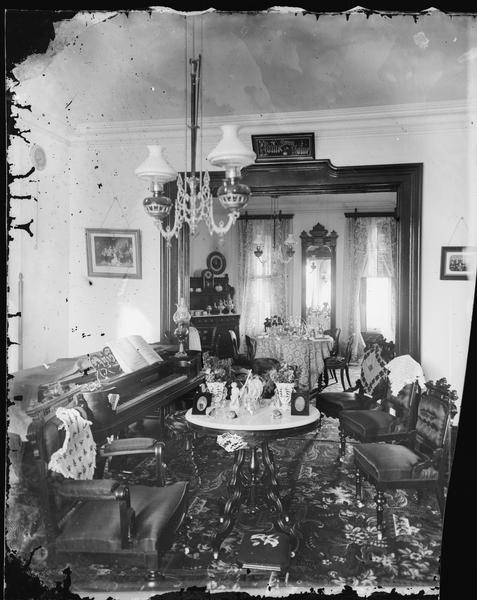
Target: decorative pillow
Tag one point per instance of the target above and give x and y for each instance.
(373, 369)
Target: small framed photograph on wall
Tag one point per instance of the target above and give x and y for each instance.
(114, 253)
(458, 262)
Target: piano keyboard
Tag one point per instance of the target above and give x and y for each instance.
(165, 383)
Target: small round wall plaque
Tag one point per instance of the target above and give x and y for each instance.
(216, 262)
(38, 157)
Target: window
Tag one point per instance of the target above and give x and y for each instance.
(376, 295)
(263, 286)
(377, 300)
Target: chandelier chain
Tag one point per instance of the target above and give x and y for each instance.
(194, 200)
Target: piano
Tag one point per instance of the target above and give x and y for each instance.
(141, 393)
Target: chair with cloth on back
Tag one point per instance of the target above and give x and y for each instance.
(134, 523)
(419, 462)
(370, 387)
(396, 412)
(390, 421)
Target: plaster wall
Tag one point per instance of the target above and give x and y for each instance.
(106, 194)
(41, 259)
(69, 313)
(448, 219)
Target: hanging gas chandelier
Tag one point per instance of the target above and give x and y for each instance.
(280, 254)
(194, 201)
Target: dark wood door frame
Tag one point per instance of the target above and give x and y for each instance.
(322, 177)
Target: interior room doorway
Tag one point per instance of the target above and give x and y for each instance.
(318, 177)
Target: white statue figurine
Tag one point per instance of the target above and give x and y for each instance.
(234, 397)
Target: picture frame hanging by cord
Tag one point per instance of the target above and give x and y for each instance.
(458, 262)
(114, 253)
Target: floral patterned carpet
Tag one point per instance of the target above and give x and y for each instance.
(339, 542)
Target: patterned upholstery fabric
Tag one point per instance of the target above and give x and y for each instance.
(404, 407)
(395, 462)
(373, 369)
(432, 419)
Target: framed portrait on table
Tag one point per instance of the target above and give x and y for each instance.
(202, 401)
(300, 404)
(114, 253)
(458, 262)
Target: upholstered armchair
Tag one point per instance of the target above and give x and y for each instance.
(391, 420)
(370, 387)
(418, 464)
(137, 523)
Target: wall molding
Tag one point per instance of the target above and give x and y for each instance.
(388, 120)
(53, 128)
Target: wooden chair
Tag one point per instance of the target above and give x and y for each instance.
(335, 334)
(370, 387)
(134, 523)
(371, 337)
(227, 347)
(390, 421)
(418, 464)
(251, 347)
(340, 363)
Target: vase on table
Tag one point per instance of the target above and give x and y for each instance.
(284, 393)
(218, 391)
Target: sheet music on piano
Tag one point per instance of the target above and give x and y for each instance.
(124, 355)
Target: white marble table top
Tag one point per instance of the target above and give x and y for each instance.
(260, 421)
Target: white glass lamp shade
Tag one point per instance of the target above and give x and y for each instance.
(230, 152)
(182, 313)
(156, 168)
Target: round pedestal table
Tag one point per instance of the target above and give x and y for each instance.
(255, 431)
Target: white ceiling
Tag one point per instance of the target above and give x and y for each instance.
(127, 67)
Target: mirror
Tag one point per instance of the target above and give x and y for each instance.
(318, 255)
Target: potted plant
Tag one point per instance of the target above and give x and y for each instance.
(216, 378)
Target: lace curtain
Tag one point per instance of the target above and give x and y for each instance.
(263, 288)
(371, 251)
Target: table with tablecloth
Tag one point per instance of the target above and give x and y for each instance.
(307, 353)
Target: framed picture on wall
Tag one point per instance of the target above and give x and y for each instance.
(283, 147)
(458, 262)
(114, 253)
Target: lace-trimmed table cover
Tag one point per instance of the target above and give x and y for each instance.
(307, 353)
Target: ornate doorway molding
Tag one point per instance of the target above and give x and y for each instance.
(320, 176)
